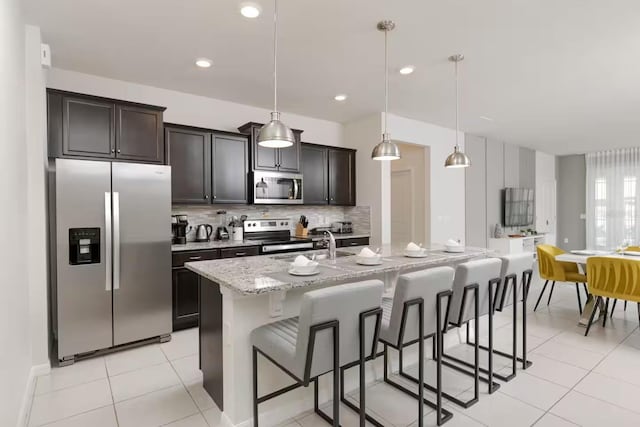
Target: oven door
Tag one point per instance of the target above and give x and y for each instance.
(276, 188)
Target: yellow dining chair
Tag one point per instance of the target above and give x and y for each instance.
(557, 271)
(616, 278)
(615, 301)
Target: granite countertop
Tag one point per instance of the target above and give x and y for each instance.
(221, 244)
(265, 274)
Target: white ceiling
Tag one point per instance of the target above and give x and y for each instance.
(559, 76)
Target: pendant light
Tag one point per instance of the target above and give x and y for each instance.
(457, 159)
(386, 150)
(275, 134)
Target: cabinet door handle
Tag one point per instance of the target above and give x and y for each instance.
(119, 150)
(195, 258)
(206, 196)
(241, 253)
(113, 150)
(214, 196)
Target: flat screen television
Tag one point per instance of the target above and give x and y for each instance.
(518, 207)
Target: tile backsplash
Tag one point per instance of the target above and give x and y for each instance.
(317, 215)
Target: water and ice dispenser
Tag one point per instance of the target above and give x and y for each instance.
(84, 246)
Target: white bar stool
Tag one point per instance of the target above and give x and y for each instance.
(334, 328)
(474, 290)
(417, 311)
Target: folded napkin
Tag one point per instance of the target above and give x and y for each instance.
(301, 261)
(452, 242)
(367, 253)
(413, 247)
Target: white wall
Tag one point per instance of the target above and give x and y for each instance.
(546, 207)
(15, 354)
(192, 110)
(447, 192)
(36, 232)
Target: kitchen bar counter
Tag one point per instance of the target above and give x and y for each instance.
(265, 274)
(239, 295)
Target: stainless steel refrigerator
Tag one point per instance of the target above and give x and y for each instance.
(110, 254)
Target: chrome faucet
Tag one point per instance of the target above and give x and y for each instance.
(332, 245)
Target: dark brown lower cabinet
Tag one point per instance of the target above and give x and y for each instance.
(185, 299)
(356, 241)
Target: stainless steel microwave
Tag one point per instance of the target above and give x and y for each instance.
(277, 188)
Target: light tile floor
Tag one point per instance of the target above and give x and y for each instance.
(574, 380)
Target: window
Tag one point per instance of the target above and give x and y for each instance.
(612, 199)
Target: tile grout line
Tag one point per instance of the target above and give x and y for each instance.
(184, 386)
(113, 400)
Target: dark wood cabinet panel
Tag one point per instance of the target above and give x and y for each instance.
(185, 299)
(88, 127)
(239, 252)
(139, 134)
(230, 159)
(342, 177)
(315, 170)
(264, 158)
(289, 158)
(357, 241)
(91, 127)
(189, 154)
(180, 257)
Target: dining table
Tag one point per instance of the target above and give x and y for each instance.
(580, 257)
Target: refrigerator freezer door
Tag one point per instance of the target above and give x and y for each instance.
(142, 251)
(83, 291)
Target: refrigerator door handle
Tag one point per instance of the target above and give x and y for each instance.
(116, 240)
(107, 240)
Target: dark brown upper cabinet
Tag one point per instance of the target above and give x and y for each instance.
(139, 134)
(272, 159)
(189, 154)
(207, 166)
(342, 177)
(83, 126)
(329, 175)
(315, 172)
(230, 156)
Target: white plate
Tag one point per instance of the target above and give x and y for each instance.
(365, 261)
(305, 273)
(422, 254)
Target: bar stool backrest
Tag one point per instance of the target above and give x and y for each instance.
(343, 303)
(425, 284)
(481, 272)
(617, 278)
(512, 264)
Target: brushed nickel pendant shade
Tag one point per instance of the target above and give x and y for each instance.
(275, 134)
(386, 150)
(457, 159)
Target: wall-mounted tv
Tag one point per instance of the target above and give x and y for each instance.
(518, 207)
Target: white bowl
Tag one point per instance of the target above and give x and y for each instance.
(369, 260)
(454, 249)
(304, 269)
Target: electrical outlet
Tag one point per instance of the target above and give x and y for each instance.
(566, 240)
(583, 216)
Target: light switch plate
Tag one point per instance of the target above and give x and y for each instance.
(566, 240)
(583, 216)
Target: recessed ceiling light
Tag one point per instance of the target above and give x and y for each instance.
(489, 119)
(340, 97)
(407, 70)
(204, 62)
(250, 10)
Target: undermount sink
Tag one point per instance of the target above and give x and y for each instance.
(320, 255)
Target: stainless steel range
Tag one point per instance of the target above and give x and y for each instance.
(275, 235)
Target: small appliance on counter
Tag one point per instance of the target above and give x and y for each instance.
(342, 227)
(179, 229)
(204, 232)
(222, 233)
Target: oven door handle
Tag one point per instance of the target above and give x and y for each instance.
(286, 247)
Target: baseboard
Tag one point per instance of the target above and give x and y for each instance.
(27, 398)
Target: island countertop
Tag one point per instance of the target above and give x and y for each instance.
(264, 274)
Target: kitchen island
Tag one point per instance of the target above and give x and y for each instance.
(239, 295)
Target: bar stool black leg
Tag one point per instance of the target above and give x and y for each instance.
(255, 386)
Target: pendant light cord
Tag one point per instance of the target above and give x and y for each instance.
(275, 57)
(457, 113)
(386, 81)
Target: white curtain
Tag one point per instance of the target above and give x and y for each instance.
(613, 205)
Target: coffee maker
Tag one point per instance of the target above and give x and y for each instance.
(179, 229)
